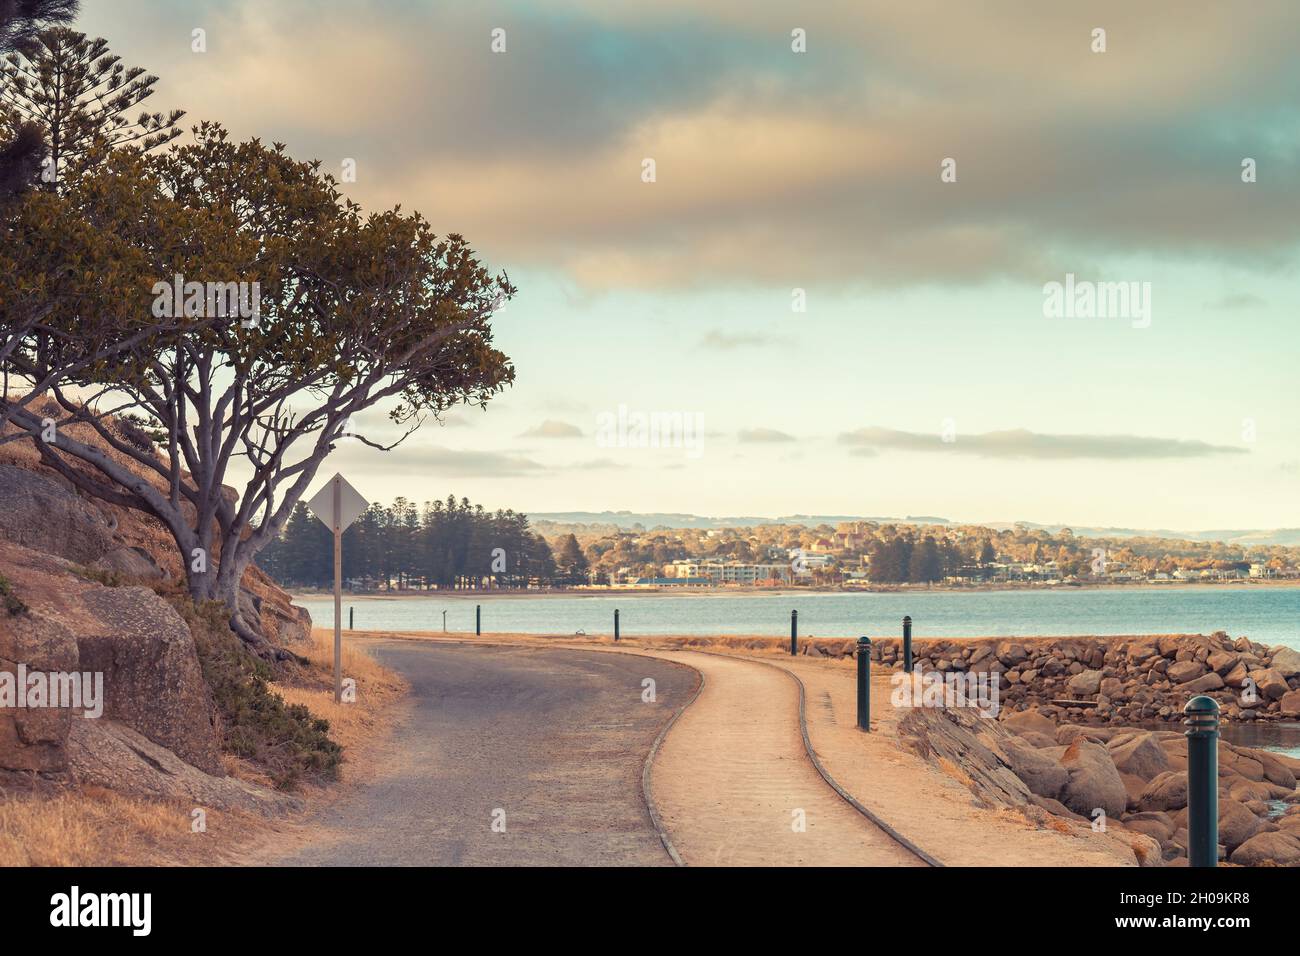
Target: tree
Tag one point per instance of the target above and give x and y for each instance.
(20, 155)
(571, 560)
(926, 565)
(63, 97)
(350, 311)
(77, 94)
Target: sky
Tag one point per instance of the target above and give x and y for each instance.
(838, 275)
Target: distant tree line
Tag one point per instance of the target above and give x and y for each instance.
(444, 544)
(905, 559)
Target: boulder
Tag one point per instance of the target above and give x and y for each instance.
(1278, 847)
(1272, 685)
(1237, 676)
(1140, 649)
(153, 682)
(1036, 739)
(1290, 703)
(108, 754)
(1140, 755)
(1168, 791)
(1286, 661)
(1029, 720)
(1041, 772)
(132, 563)
(41, 513)
(1236, 824)
(1085, 683)
(33, 739)
(1011, 654)
(1180, 672)
(1067, 733)
(1222, 662)
(1093, 780)
(1207, 682)
(1155, 823)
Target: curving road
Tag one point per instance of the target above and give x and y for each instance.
(554, 738)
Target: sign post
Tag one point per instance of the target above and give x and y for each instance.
(338, 504)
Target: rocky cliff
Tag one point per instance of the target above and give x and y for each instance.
(80, 581)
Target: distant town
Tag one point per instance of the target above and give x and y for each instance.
(868, 554)
(454, 545)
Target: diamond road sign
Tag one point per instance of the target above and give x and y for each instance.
(351, 504)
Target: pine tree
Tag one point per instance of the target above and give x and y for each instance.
(20, 156)
(77, 94)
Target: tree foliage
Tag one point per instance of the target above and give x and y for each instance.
(20, 153)
(353, 310)
(78, 95)
(446, 544)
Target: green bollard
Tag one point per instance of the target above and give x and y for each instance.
(616, 624)
(794, 633)
(907, 644)
(1202, 722)
(478, 619)
(864, 684)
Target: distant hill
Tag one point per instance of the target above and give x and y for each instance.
(649, 521)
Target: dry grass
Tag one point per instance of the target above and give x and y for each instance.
(351, 724)
(98, 827)
(94, 826)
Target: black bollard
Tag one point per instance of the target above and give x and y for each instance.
(478, 619)
(616, 624)
(794, 633)
(1202, 722)
(864, 684)
(907, 644)
(350, 610)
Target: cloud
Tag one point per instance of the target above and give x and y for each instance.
(726, 341)
(1238, 300)
(551, 428)
(597, 464)
(1022, 444)
(424, 461)
(762, 435)
(774, 168)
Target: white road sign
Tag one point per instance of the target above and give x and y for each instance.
(351, 504)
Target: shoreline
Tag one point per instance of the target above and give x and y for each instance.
(720, 592)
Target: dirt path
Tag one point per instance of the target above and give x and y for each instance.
(925, 805)
(551, 742)
(732, 780)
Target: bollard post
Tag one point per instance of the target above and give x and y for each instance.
(1202, 722)
(864, 684)
(478, 619)
(616, 624)
(350, 610)
(907, 644)
(794, 633)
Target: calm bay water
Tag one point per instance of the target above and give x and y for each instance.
(1267, 614)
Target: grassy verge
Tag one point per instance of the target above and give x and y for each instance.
(283, 739)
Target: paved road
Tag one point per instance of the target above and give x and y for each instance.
(554, 738)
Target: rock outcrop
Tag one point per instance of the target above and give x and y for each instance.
(78, 572)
